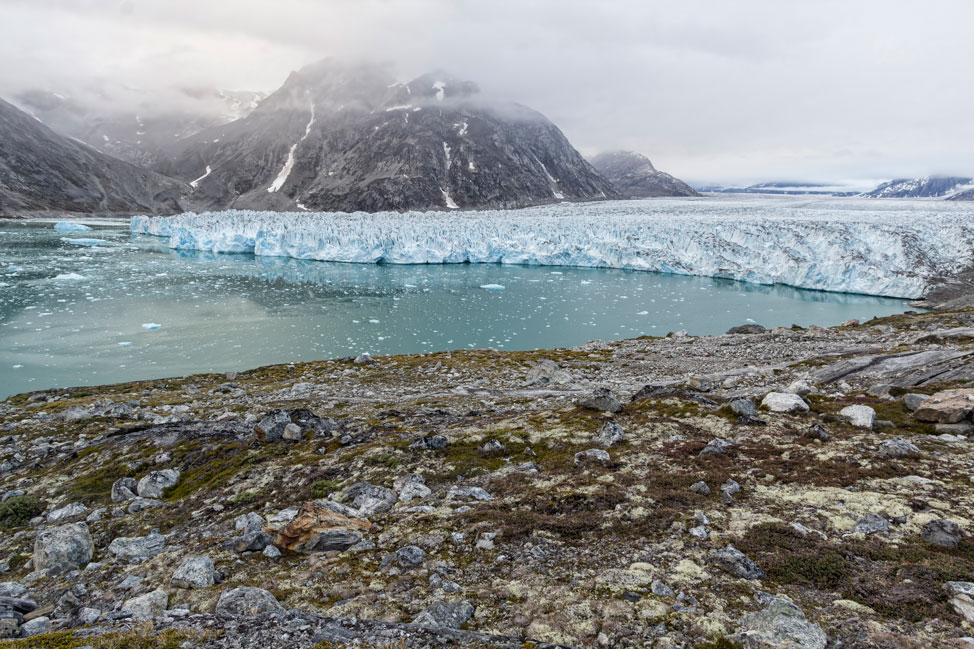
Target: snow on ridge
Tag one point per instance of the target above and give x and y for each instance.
(289, 163)
(850, 246)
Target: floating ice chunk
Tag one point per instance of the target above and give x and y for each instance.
(126, 343)
(151, 325)
(71, 276)
(492, 287)
(70, 226)
(83, 242)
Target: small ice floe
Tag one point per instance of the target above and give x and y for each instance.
(71, 276)
(127, 343)
(71, 226)
(643, 313)
(151, 325)
(492, 287)
(373, 321)
(83, 242)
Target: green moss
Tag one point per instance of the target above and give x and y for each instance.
(17, 511)
(721, 642)
(97, 484)
(130, 640)
(211, 468)
(323, 488)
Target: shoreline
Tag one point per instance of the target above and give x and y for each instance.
(513, 511)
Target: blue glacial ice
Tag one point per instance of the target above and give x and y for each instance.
(851, 245)
(71, 226)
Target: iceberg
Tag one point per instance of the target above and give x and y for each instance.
(70, 226)
(844, 245)
(151, 325)
(71, 276)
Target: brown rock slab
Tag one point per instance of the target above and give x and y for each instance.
(947, 406)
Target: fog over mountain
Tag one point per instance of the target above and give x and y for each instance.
(729, 93)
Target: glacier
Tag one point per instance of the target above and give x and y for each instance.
(846, 245)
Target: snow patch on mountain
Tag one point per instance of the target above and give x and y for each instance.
(289, 163)
(855, 245)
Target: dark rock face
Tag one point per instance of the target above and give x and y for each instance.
(41, 170)
(633, 176)
(932, 187)
(348, 138)
(963, 196)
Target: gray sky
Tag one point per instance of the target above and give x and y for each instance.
(710, 90)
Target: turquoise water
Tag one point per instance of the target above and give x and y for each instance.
(73, 314)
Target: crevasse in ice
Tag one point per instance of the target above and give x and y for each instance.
(855, 246)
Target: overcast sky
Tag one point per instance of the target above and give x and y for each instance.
(711, 90)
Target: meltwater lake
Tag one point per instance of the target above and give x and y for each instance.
(82, 308)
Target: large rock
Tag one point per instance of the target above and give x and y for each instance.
(781, 625)
(247, 601)
(859, 416)
(547, 372)
(784, 402)
(370, 499)
(252, 537)
(898, 447)
(70, 510)
(962, 598)
(319, 528)
(732, 560)
(746, 329)
(63, 548)
(152, 485)
(942, 533)
(947, 406)
(124, 489)
(449, 615)
(611, 433)
(138, 548)
(271, 426)
(194, 572)
(411, 487)
(601, 399)
(147, 606)
(37, 626)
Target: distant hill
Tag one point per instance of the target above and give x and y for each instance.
(41, 170)
(931, 187)
(633, 176)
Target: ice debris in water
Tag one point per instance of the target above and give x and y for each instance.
(492, 287)
(73, 276)
(70, 226)
(83, 242)
(151, 325)
(833, 245)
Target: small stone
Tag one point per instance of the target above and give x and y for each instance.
(602, 400)
(942, 533)
(37, 626)
(467, 493)
(699, 532)
(731, 487)
(409, 556)
(152, 485)
(195, 572)
(784, 402)
(743, 407)
(271, 552)
(735, 562)
(700, 488)
(596, 455)
(716, 446)
(897, 447)
(411, 487)
(147, 606)
(447, 615)
(247, 601)
(913, 400)
(817, 431)
(859, 416)
(492, 446)
(801, 388)
(871, 524)
(610, 434)
(370, 499)
(292, 433)
(661, 589)
(781, 625)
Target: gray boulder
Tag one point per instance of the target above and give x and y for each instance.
(409, 556)
(271, 426)
(871, 524)
(63, 548)
(137, 549)
(448, 615)
(37, 626)
(942, 533)
(592, 455)
(859, 416)
(411, 487)
(602, 400)
(247, 601)
(370, 499)
(467, 493)
(781, 625)
(547, 372)
(746, 329)
(611, 433)
(124, 489)
(194, 572)
(735, 562)
(784, 402)
(743, 407)
(152, 485)
(70, 510)
(897, 447)
(147, 606)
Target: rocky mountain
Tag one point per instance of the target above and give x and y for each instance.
(41, 170)
(967, 195)
(930, 187)
(633, 176)
(147, 127)
(788, 188)
(349, 138)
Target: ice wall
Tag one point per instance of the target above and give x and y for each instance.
(852, 245)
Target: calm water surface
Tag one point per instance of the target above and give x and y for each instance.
(84, 312)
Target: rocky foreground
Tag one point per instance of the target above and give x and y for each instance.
(793, 488)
